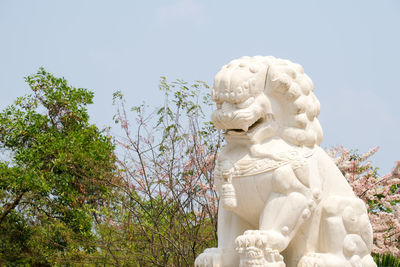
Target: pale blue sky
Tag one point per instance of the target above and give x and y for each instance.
(350, 49)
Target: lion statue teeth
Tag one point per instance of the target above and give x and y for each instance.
(283, 202)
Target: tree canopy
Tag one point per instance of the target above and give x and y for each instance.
(55, 175)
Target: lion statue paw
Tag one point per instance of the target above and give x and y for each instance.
(254, 251)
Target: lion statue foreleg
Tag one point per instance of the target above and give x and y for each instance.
(230, 226)
(286, 210)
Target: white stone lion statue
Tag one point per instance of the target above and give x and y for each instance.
(283, 202)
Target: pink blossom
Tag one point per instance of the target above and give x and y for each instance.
(381, 195)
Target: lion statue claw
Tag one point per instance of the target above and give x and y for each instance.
(283, 202)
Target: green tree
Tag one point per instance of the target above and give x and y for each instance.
(56, 176)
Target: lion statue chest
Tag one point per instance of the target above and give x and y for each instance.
(256, 181)
(252, 191)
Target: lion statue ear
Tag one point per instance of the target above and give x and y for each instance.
(287, 83)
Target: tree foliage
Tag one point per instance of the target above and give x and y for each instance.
(55, 176)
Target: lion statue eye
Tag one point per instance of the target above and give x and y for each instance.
(219, 105)
(246, 103)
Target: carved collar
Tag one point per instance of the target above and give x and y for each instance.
(252, 166)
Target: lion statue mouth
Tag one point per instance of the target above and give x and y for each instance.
(245, 127)
(264, 125)
(259, 124)
(250, 129)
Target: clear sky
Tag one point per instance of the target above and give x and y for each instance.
(350, 49)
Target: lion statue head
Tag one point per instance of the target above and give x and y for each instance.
(259, 98)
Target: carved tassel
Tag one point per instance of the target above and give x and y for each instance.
(228, 198)
(228, 194)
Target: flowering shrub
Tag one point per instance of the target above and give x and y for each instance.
(381, 195)
(167, 163)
